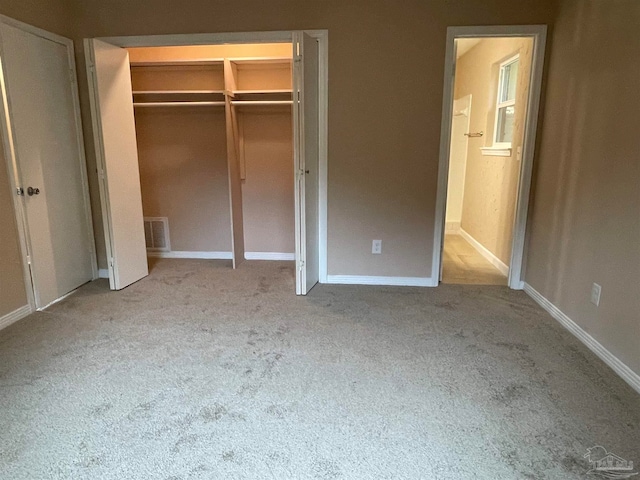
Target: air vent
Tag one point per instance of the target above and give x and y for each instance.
(156, 233)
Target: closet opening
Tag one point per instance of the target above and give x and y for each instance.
(208, 151)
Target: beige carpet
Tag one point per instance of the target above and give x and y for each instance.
(199, 371)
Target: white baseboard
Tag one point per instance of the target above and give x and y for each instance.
(14, 316)
(269, 256)
(391, 281)
(103, 273)
(628, 375)
(482, 250)
(452, 227)
(201, 255)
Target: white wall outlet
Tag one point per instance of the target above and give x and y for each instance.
(595, 294)
(376, 247)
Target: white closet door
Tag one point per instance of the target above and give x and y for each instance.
(117, 159)
(48, 159)
(306, 125)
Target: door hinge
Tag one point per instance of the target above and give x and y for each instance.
(111, 262)
(28, 259)
(301, 265)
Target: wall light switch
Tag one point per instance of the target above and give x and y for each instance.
(595, 294)
(376, 247)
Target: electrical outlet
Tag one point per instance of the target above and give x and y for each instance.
(595, 294)
(376, 247)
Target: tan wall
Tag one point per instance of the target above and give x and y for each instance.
(12, 286)
(585, 224)
(183, 174)
(52, 16)
(386, 66)
(267, 192)
(491, 182)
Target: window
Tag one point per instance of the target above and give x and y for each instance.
(506, 103)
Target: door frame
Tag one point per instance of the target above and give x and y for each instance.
(539, 34)
(176, 40)
(13, 167)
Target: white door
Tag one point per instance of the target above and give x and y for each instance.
(117, 160)
(48, 158)
(458, 160)
(306, 140)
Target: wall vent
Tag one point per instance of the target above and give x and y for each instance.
(156, 234)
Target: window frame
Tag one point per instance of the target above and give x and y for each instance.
(508, 103)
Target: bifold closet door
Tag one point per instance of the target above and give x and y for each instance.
(117, 159)
(48, 158)
(306, 140)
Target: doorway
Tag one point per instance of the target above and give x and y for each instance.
(237, 86)
(492, 89)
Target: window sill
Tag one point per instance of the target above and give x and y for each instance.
(496, 151)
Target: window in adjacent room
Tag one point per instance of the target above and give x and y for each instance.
(506, 103)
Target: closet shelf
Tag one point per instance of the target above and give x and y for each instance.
(263, 92)
(180, 63)
(261, 102)
(261, 60)
(178, 104)
(177, 92)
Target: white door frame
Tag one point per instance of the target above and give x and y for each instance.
(539, 34)
(263, 37)
(12, 164)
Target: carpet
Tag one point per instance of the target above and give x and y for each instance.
(202, 372)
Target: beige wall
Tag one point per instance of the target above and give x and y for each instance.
(53, 15)
(386, 66)
(183, 174)
(267, 192)
(12, 287)
(491, 182)
(585, 223)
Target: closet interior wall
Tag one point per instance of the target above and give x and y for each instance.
(205, 112)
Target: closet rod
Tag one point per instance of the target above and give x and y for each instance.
(178, 104)
(261, 102)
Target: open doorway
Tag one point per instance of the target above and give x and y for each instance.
(489, 121)
(207, 116)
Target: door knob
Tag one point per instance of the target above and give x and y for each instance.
(33, 191)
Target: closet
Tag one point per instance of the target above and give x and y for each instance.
(202, 121)
(220, 148)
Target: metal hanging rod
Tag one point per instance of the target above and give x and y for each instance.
(474, 134)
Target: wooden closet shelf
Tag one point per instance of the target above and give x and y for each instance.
(260, 60)
(180, 63)
(263, 92)
(178, 92)
(178, 104)
(261, 102)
